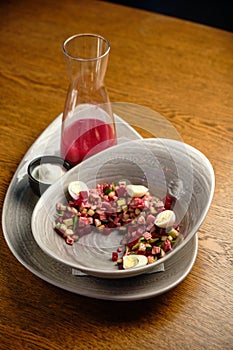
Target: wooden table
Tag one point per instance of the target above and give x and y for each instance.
(178, 68)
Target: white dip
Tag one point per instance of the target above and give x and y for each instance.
(48, 173)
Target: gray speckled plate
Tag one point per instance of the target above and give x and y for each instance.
(17, 231)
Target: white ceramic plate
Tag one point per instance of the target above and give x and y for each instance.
(136, 161)
(18, 235)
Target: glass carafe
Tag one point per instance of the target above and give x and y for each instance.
(88, 124)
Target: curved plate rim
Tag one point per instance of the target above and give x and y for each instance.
(124, 297)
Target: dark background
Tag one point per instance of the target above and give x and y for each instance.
(215, 13)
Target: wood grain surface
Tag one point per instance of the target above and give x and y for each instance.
(178, 68)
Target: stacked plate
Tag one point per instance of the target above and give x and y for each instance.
(29, 233)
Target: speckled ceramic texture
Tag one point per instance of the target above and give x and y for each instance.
(153, 162)
(18, 235)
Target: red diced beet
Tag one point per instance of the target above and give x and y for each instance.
(137, 203)
(114, 256)
(83, 195)
(69, 240)
(131, 243)
(169, 202)
(166, 245)
(59, 231)
(76, 203)
(142, 252)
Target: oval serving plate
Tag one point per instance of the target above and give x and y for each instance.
(135, 161)
(18, 235)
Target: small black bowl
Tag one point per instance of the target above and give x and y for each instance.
(38, 186)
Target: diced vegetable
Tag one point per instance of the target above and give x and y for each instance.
(147, 225)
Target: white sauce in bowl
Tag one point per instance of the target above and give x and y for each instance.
(48, 173)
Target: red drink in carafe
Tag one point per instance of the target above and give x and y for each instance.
(84, 138)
